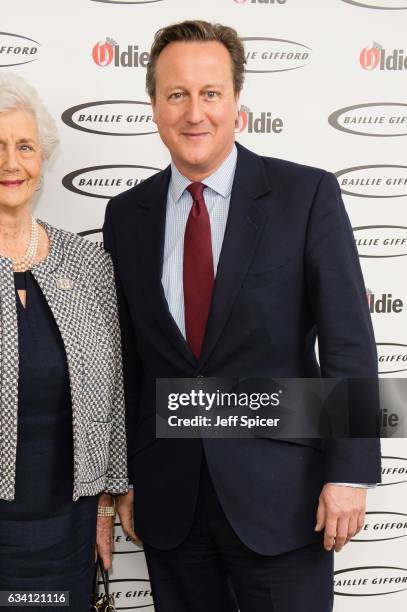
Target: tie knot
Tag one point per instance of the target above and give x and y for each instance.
(196, 190)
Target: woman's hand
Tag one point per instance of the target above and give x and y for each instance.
(124, 506)
(104, 532)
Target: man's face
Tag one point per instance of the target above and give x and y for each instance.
(195, 108)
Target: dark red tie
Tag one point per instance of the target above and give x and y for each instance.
(198, 269)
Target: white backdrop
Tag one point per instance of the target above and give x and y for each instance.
(326, 86)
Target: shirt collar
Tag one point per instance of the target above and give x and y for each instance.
(220, 181)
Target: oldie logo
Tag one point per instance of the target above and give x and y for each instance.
(381, 240)
(130, 594)
(111, 118)
(384, 303)
(392, 357)
(368, 581)
(258, 123)
(127, 1)
(394, 470)
(373, 119)
(16, 50)
(385, 5)
(275, 54)
(109, 53)
(377, 56)
(106, 181)
(375, 181)
(382, 526)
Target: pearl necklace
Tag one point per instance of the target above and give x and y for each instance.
(26, 262)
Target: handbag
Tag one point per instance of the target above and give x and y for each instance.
(102, 602)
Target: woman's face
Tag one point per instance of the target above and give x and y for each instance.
(20, 158)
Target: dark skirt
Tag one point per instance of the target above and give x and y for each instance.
(51, 554)
(47, 541)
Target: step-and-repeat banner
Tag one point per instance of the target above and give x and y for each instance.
(325, 86)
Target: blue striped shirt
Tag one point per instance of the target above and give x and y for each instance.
(179, 203)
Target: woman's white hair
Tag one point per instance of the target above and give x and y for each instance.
(16, 93)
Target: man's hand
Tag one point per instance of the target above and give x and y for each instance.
(341, 511)
(124, 507)
(104, 532)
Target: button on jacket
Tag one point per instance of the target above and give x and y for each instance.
(77, 281)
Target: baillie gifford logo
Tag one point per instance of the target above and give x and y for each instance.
(111, 118)
(122, 544)
(377, 241)
(106, 181)
(16, 49)
(377, 57)
(382, 119)
(382, 5)
(131, 594)
(374, 181)
(394, 471)
(260, 123)
(109, 53)
(392, 357)
(370, 581)
(381, 526)
(274, 54)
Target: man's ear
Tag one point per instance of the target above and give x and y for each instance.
(237, 99)
(152, 100)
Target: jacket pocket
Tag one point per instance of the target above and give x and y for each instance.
(97, 450)
(314, 443)
(274, 273)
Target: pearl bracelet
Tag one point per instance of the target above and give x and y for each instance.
(106, 511)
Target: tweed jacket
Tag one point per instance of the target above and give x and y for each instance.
(77, 281)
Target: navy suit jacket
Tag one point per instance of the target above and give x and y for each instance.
(288, 272)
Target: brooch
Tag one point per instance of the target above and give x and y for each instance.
(64, 283)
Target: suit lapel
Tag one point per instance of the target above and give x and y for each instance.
(151, 236)
(243, 229)
(65, 305)
(245, 222)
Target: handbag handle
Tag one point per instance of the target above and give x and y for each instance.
(107, 602)
(105, 577)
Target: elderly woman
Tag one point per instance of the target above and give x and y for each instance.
(62, 432)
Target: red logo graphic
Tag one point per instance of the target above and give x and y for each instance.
(243, 118)
(370, 57)
(102, 53)
(259, 123)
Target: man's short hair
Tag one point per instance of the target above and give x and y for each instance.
(197, 31)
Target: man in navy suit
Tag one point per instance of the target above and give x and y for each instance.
(230, 264)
